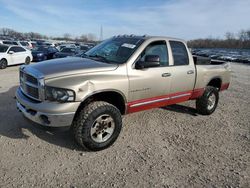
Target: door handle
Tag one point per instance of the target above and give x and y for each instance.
(166, 74)
(190, 72)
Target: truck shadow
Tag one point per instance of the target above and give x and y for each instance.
(182, 109)
(13, 125)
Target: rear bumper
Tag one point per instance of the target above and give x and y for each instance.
(47, 114)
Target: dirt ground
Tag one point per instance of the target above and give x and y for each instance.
(167, 147)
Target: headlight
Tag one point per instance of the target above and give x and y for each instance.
(59, 94)
(40, 54)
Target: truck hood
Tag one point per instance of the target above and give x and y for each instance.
(68, 66)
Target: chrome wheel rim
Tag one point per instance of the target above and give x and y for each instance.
(211, 101)
(102, 128)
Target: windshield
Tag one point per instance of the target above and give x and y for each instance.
(24, 43)
(3, 48)
(68, 50)
(117, 50)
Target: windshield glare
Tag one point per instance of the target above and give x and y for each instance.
(117, 50)
(3, 48)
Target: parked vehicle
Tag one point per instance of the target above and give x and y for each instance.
(83, 48)
(66, 52)
(24, 44)
(33, 44)
(9, 42)
(60, 47)
(12, 55)
(42, 53)
(121, 75)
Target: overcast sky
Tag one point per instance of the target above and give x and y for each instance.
(187, 19)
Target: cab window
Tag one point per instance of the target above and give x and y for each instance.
(157, 48)
(179, 52)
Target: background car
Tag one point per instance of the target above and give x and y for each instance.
(9, 42)
(83, 48)
(24, 44)
(42, 53)
(12, 55)
(66, 51)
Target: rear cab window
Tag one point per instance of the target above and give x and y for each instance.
(180, 54)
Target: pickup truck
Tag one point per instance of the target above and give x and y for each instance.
(121, 75)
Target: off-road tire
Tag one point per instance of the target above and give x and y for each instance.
(84, 120)
(3, 64)
(27, 60)
(202, 103)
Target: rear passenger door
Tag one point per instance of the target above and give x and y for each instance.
(182, 70)
(21, 53)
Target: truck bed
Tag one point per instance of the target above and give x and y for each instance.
(199, 60)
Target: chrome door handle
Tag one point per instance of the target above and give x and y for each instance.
(166, 74)
(190, 72)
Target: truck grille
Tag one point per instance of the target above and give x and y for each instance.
(29, 85)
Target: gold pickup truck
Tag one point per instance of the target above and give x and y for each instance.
(121, 75)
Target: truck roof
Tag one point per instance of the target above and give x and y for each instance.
(146, 37)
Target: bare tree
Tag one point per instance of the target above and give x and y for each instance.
(67, 36)
(84, 38)
(229, 36)
(91, 37)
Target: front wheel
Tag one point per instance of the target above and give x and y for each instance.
(208, 102)
(27, 60)
(3, 64)
(97, 126)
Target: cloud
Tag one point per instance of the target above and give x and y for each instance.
(178, 18)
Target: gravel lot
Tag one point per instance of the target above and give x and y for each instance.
(168, 147)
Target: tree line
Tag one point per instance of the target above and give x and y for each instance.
(239, 40)
(232, 40)
(10, 33)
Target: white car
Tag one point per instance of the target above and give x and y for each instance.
(25, 44)
(12, 55)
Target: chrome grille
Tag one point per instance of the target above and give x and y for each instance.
(29, 85)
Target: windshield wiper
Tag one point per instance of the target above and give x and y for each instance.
(99, 57)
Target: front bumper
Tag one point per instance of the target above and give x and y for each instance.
(46, 113)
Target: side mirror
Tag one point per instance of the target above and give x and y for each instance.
(150, 61)
(11, 52)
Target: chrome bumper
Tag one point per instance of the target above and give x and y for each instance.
(57, 119)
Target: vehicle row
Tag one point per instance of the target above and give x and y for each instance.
(224, 55)
(12, 54)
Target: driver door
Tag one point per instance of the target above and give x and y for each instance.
(14, 58)
(148, 87)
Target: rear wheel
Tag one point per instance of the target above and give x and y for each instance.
(97, 126)
(27, 60)
(3, 63)
(207, 103)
